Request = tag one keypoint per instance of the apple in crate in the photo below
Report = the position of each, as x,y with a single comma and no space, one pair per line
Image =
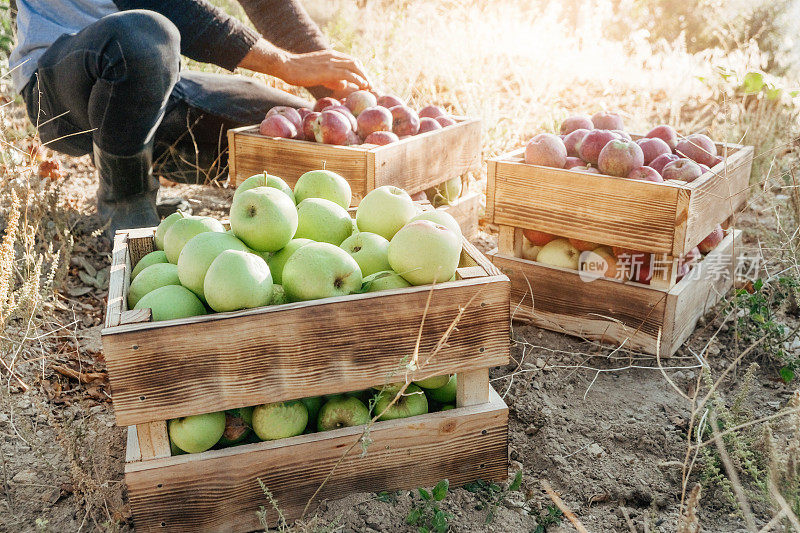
290,113
171,301
237,280
323,221
645,174
308,126
342,412
434,382
197,433
322,103
445,394
699,149
559,253
164,226
537,238
427,124
572,141
370,251
265,180
530,251
345,112
153,258
666,134
358,101
440,217
374,119
320,270
582,245
382,281
661,161
405,120
277,261
573,162
184,229
584,168
712,240
652,148
238,423
389,101
597,263
323,184
431,111
445,193
280,420
151,278
424,252
412,402
277,126
593,143
603,120
331,127
381,138
619,157
198,254
263,218
682,169
576,122
547,150
385,210
446,121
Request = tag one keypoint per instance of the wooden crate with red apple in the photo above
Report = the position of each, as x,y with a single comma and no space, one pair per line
175,368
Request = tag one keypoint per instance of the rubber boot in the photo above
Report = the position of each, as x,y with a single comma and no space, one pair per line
126,196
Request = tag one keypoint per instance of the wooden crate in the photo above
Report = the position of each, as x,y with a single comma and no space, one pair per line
639,317
643,216
414,164
168,369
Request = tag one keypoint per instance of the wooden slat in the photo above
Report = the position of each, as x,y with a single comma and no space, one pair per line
135,316
141,242
219,490
705,285
132,451
470,272
231,183
491,170
118,281
472,387
506,241
664,271
604,310
153,440
465,210
423,161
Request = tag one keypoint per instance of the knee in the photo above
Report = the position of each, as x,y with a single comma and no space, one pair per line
147,40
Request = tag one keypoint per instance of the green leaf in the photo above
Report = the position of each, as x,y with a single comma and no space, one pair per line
424,494
753,82
440,490
787,374
515,485
413,516
774,93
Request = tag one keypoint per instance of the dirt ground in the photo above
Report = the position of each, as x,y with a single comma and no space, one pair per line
609,438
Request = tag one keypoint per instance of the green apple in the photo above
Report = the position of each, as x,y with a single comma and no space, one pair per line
559,253
197,433
237,280
446,394
342,412
150,279
384,280
265,180
424,252
174,450
278,295
313,404
355,226
440,217
152,258
238,424
198,254
277,260
264,218
447,407
167,223
323,221
323,184
413,402
171,301
279,420
445,193
183,229
370,251
320,270
434,382
385,210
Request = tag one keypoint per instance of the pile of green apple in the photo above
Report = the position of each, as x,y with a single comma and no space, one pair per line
288,245
273,421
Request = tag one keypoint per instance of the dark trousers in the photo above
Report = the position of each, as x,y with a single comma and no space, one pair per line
117,83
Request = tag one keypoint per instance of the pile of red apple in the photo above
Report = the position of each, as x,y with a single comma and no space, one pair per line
600,145
362,118
608,261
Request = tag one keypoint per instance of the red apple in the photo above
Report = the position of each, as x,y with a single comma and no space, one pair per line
353,138
358,101
652,148
712,240
622,134
346,113
699,149
590,170
381,138
592,143
419,196
572,141
682,169
537,238
277,126
428,124
431,111
389,101
583,246
576,122
331,127
446,121
573,162
619,157
405,120
717,161
546,150
308,120
322,103
374,119
290,113
303,111
704,169
659,162
603,120
666,134
645,174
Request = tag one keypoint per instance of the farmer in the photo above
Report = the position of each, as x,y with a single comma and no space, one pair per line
103,77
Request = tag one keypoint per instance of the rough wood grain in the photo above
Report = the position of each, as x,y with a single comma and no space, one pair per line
465,210
189,366
135,316
470,272
141,242
132,451
153,440
472,387
219,491
118,279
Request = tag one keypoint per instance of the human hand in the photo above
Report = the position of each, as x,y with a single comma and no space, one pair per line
328,68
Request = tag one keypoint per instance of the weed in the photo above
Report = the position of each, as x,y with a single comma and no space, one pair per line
491,495
426,514
551,516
